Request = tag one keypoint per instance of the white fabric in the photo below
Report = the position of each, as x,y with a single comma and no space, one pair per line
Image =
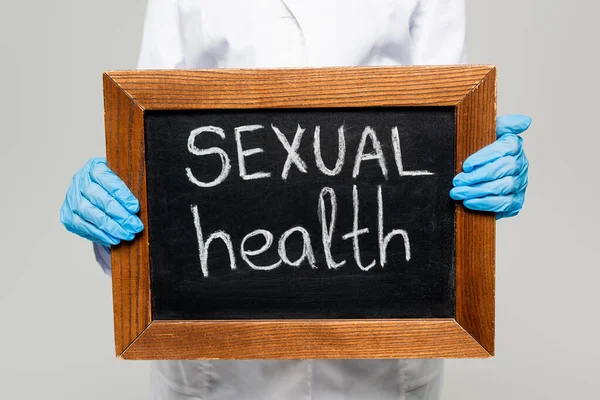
297,33
297,379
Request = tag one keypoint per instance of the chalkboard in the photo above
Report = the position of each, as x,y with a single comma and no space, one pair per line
417,280
301,213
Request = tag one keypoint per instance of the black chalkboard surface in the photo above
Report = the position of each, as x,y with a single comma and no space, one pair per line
196,188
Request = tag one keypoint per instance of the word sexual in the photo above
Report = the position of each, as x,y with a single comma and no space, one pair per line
369,140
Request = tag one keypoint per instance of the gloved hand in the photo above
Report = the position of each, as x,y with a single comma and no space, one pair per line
495,178
99,206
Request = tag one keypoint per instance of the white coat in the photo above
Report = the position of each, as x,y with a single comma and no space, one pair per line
298,33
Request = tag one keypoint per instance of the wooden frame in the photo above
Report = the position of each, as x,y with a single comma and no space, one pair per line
470,89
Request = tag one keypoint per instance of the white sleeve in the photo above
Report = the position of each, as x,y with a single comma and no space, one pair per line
161,41
438,32
102,254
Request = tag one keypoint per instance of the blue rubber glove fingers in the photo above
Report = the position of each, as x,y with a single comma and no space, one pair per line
99,206
81,227
503,206
502,176
107,202
495,178
507,143
504,196
110,194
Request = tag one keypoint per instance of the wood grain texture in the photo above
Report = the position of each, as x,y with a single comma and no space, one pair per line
124,124
305,339
471,89
476,231
299,88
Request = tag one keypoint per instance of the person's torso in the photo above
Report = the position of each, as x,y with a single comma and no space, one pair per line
295,33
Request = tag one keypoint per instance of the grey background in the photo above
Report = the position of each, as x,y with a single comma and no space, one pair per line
55,304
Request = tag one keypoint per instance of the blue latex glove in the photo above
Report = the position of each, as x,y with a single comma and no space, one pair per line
495,178
99,206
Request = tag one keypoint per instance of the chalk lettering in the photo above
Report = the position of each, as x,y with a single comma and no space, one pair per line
341,152
377,153
241,153
292,150
225,163
307,250
328,231
203,246
327,205
385,240
398,157
356,232
268,242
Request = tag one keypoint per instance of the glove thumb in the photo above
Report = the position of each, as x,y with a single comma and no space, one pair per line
511,124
